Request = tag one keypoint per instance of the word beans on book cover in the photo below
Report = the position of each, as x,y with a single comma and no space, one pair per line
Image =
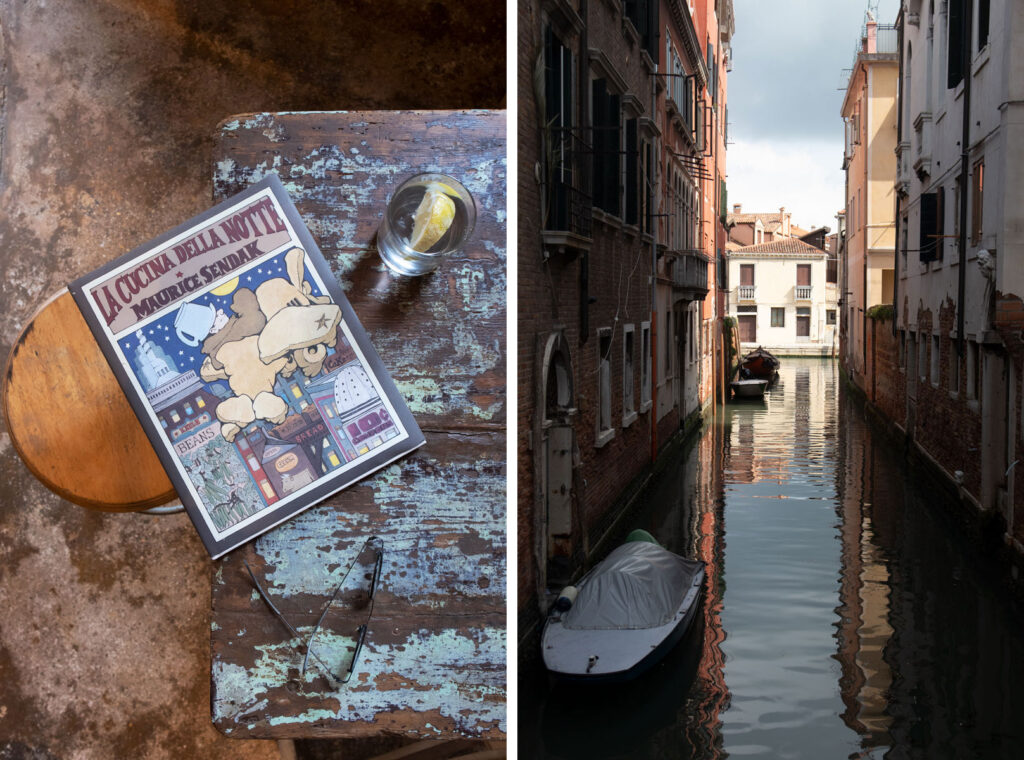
246,366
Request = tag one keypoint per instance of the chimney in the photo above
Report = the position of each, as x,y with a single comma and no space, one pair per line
871,36
737,208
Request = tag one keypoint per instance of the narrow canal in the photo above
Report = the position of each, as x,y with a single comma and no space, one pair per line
844,615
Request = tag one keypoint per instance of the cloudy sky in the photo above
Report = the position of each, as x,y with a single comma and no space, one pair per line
784,101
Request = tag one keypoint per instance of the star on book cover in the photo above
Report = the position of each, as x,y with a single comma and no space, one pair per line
246,366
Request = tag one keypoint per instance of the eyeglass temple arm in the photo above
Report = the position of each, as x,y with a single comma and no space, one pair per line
266,598
283,619
362,629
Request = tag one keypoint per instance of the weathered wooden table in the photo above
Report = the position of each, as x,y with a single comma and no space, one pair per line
434,660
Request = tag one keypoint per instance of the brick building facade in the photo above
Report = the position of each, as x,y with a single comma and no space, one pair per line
954,388
592,254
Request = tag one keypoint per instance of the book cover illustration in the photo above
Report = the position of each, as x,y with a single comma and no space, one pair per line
246,366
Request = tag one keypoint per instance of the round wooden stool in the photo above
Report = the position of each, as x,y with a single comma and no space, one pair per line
69,420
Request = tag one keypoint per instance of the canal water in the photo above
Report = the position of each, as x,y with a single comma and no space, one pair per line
844,615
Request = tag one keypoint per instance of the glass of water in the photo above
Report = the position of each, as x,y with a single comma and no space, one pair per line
428,217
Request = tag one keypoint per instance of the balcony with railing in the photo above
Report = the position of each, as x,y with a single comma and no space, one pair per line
803,293
887,39
746,292
881,40
568,209
688,269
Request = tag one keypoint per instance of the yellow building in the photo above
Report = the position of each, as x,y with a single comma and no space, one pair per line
866,264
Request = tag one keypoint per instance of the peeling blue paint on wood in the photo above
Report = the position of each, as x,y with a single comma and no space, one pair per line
433,663
439,673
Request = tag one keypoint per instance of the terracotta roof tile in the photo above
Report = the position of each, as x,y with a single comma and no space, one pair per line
775,218
784,245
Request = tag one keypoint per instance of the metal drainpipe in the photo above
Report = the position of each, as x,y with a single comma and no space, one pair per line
965,147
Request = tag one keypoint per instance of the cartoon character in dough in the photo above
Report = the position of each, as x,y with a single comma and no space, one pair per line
275,331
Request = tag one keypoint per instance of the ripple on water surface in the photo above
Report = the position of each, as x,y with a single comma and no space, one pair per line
843,613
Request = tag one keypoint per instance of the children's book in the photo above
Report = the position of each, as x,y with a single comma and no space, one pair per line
246,366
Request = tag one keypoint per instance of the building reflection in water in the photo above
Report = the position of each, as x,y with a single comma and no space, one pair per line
864,585
852,619
931,648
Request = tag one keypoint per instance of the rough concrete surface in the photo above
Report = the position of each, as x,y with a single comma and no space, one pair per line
107,116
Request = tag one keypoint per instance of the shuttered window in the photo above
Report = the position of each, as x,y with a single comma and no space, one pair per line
632,173
956,57
606,148
983,13
644,15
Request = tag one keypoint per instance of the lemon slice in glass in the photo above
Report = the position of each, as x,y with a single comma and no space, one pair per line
432,219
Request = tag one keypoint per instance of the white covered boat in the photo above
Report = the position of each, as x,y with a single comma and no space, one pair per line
625,614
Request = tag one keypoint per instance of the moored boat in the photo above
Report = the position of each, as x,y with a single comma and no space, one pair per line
625,615
748,388
760,363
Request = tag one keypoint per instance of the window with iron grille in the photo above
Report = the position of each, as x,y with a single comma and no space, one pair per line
559,94
830,316
778,316
607,141
562,154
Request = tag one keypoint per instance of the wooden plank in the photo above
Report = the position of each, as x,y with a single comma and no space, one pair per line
60,398
441,335
433,664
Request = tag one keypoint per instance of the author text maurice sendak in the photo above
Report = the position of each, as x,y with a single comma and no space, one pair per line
255,221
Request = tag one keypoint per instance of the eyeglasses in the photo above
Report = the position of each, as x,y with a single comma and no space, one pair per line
377,545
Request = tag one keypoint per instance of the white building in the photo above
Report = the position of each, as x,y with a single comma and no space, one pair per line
960,266
780,300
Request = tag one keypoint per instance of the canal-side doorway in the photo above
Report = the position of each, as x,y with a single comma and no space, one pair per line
557,437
